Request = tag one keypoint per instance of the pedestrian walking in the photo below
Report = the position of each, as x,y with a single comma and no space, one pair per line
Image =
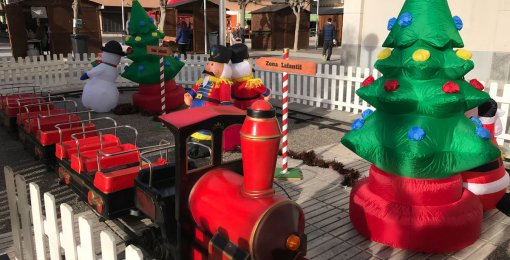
240,33
329,32
183,34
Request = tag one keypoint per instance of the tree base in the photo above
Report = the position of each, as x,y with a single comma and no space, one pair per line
423,215
148,97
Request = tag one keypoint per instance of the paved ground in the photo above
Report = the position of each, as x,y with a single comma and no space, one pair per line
324,200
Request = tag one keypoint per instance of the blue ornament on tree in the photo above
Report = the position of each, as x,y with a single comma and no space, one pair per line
357,124
477,121
405,20
142,23
367,113
167,63
483,133
458,23
151,20
141,68
391,22
416,134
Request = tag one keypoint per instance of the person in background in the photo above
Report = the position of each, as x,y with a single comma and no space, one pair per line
329,32
240,33
183,33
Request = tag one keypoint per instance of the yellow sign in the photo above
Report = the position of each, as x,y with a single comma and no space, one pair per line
289,66
157,50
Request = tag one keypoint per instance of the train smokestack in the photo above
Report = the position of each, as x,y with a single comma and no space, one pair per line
260,140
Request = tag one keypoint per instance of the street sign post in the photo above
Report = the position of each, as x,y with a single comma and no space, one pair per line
287,66
162,52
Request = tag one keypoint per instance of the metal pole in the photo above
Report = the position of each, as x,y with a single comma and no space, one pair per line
317,26
222,22
205,26
123,22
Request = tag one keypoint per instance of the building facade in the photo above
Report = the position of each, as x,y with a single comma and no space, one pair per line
485,33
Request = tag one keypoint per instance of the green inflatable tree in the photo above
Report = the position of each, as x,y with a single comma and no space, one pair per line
142,33
145,68
419,129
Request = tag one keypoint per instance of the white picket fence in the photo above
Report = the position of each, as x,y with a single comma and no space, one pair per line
38,236
333,87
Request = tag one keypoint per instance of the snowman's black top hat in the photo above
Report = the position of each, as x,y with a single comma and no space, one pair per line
239,53
220,53
113,47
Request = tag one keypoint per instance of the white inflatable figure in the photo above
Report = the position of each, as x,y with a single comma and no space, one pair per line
100,93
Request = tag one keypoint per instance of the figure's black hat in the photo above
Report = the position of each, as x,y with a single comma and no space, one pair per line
113,47
488,109
220,53
239,53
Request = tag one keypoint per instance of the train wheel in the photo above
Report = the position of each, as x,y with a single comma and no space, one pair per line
67,178
61,175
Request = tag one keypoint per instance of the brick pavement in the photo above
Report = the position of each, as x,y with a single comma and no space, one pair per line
332,236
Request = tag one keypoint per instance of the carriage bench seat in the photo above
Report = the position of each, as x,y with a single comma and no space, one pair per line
118,180
87,162
23,116
11,107
12,99
68,148
48,123
49,137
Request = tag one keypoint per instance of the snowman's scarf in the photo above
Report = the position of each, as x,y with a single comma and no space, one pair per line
97,62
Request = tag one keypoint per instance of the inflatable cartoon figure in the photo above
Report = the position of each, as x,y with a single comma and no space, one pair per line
100,93
489,182
245,88
418,139
211,90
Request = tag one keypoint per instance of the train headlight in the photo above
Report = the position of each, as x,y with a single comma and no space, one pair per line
293,242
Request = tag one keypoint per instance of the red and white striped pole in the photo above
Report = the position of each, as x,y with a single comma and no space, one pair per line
162,81
285,110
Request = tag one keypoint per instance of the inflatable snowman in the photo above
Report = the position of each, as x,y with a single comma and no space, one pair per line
100,93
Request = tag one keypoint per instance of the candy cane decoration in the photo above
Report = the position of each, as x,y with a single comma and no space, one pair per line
162,81
285,110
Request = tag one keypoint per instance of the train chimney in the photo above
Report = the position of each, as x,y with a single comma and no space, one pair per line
260,140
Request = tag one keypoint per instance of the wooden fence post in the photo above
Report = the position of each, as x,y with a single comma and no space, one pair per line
38,221
67,236
51,226
13,210
26,224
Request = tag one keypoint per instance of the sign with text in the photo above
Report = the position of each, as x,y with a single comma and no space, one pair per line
157,50
289,66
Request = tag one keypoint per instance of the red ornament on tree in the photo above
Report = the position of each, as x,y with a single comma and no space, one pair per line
475,83
391,85
451,87
368,81
129,50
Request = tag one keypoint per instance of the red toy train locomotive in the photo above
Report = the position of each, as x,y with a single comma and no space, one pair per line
201,208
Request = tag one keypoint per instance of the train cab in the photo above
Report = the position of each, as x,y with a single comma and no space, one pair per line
162,192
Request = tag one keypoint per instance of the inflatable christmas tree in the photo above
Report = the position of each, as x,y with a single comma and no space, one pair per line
419,139
145,68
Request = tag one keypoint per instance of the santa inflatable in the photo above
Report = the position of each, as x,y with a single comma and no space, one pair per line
100,93
489,182
245,88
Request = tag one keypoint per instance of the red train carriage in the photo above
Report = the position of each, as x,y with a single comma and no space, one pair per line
13,96
205,208
37,129
101,168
